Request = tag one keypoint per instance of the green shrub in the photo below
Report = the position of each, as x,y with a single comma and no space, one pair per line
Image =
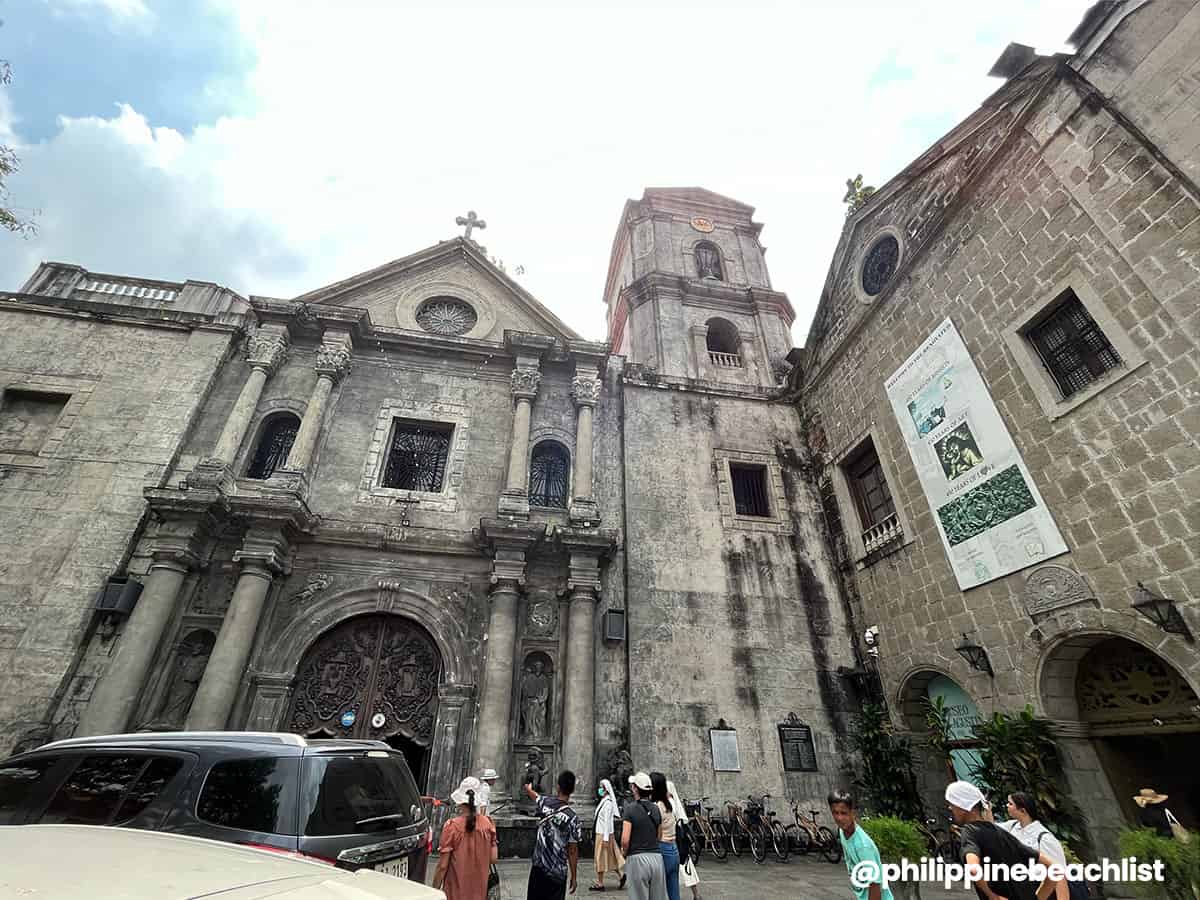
1181,862
895,838
884,775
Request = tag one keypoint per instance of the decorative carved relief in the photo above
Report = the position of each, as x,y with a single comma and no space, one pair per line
585,391
1120,680
267,349
541,618
317,582
525,383
333,360
1053,587
371,677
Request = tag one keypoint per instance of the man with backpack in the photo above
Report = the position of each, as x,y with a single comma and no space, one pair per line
556,847
645,877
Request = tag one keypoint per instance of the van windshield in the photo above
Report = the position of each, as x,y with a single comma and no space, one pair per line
357,793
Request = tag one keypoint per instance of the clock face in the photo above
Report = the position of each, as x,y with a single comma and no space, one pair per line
702,225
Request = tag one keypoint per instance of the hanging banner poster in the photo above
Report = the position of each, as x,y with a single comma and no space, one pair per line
991,517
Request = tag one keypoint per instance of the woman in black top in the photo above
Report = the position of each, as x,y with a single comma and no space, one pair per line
644,877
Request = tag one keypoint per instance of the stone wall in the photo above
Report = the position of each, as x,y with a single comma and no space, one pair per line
1075,195
68,513
730,617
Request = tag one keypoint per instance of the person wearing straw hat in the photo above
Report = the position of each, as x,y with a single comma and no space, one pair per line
483,800
467,849
1152,813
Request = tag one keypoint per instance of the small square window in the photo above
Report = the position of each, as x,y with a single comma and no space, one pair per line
1072,347
749,490
417,456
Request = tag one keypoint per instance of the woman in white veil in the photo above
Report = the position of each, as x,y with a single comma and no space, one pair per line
688,876
608,855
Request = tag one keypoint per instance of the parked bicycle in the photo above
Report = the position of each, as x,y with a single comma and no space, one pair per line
709,832
745,828
780,845
807,835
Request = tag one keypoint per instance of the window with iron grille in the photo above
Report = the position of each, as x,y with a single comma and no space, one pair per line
749,490
549,475
273,446
869,487
417,456
1072,347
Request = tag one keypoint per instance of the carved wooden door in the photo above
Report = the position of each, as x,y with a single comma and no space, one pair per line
370,677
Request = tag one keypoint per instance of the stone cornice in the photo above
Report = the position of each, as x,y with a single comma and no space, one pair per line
145,317
505,534
636,376
526,343
284,511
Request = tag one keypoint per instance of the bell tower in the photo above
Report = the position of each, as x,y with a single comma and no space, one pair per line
688,293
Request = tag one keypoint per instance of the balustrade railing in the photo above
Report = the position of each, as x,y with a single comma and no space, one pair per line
882,533
126,289
725,360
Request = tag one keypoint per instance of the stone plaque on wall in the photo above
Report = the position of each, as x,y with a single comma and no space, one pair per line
725,754
796,745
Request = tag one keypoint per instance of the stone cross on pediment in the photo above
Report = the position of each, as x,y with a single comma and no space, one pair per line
470,221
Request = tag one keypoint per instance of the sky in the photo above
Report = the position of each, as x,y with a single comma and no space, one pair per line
274,147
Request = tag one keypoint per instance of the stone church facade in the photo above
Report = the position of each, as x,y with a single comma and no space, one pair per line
416,506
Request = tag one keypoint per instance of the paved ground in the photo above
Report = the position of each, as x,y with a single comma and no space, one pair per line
735,879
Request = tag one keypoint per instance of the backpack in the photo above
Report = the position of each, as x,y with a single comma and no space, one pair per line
684,840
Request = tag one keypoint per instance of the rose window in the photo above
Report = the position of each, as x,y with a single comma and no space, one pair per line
880,264
446,315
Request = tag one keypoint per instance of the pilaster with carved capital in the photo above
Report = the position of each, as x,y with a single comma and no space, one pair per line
333,358
524,382
585,389
267,348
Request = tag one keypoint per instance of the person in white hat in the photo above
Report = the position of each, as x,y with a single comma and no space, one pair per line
483,799
983,839
645,877
467,849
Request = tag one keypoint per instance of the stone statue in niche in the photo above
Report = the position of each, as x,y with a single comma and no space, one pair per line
535,770
190,663
535,700
708,261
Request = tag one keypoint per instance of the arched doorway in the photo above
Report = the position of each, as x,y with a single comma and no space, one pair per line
1144,721
376,677
933,771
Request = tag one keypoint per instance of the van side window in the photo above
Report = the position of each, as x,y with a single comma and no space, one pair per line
251,795
18,780
157,774
92,793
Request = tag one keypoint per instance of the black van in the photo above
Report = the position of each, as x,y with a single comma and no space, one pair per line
350,803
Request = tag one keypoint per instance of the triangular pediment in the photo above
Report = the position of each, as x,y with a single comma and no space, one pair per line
395,293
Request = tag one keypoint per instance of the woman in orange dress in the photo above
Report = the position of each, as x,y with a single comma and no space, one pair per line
467,849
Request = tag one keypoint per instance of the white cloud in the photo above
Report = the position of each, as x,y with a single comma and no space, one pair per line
375,124
122,10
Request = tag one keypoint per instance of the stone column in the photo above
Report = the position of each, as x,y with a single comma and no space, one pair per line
495,713
585,391
450,758
525,380
116,696
333,362
579,701
260,559
266,350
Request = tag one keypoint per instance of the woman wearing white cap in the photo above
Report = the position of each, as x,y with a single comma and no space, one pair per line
467,849
640,833
608,854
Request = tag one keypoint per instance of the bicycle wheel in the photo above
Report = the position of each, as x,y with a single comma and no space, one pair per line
695,850
719,845
735,838
798,839
831,847
779,842
758,843
948,850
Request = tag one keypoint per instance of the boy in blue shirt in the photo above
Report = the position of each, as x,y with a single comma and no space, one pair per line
857,847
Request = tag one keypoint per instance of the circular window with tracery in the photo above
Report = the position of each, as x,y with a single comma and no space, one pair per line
880,264
446,315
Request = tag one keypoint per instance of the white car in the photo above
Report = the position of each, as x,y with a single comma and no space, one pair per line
47,862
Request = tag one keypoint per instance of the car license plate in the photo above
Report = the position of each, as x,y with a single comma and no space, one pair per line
397,867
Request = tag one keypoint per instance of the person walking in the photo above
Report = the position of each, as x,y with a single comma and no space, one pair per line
484,800
666,835
642,823
608,854
857,847
984,840
556,845
688,876
1152,813
1023,824
467,849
